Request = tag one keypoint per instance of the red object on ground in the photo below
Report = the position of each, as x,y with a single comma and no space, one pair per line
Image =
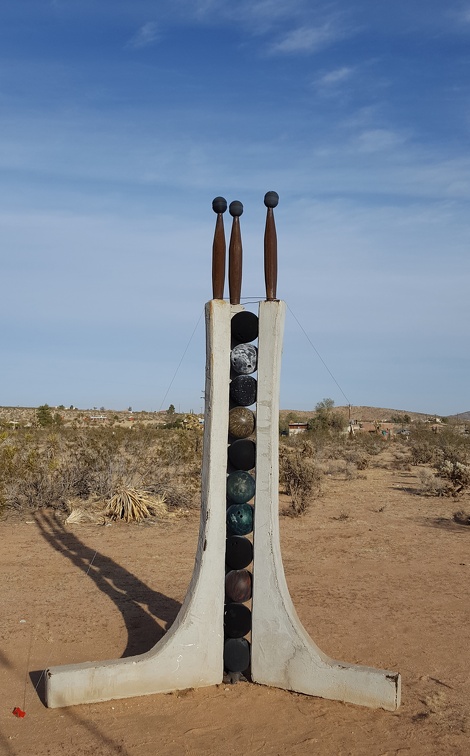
19,712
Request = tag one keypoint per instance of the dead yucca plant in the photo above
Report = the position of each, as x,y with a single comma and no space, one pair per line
134,505
463,518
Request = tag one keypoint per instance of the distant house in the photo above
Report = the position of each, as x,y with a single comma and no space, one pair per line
296,428
380,428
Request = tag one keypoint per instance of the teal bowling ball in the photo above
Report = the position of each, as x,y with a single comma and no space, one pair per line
240,519
240,487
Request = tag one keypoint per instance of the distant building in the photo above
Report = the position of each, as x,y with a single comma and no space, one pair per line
296,428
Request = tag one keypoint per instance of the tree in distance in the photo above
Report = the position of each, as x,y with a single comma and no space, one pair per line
44,416
326,419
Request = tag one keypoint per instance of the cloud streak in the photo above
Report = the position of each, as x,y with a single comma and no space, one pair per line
306,40
147,35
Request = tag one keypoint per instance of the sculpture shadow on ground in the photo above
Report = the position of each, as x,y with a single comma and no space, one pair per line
139,604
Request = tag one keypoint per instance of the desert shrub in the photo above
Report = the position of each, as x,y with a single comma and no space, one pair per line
30,471
182,494
341,468
300,475
371,443
401,458
456,473
463,518
48,466
422,451
357,457
431,484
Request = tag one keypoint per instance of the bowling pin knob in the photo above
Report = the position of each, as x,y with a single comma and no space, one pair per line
271,199
235,209
219,205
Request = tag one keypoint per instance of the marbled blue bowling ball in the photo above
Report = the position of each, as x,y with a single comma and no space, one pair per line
244,358
243,390
240,519
240,487
244,326
242,454
236,654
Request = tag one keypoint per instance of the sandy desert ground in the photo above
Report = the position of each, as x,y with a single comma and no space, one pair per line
378,574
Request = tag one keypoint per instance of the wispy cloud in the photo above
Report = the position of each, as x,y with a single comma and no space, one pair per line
379,140
306,39
145,36
333,78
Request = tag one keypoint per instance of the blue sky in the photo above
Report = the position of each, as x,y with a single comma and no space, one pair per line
121,121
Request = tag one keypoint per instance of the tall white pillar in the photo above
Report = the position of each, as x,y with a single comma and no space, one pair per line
190,655
282,653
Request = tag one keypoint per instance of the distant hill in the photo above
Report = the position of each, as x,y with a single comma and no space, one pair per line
461,417
365,414
27,415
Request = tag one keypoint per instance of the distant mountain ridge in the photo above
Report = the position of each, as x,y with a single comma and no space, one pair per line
370,414
25,415
462,416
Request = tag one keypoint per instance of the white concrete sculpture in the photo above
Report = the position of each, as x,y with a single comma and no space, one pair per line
191,654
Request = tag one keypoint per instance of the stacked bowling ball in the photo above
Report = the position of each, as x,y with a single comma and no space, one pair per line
240,491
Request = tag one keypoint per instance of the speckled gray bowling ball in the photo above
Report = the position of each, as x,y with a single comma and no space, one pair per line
240,487
243,390
241,422
244,358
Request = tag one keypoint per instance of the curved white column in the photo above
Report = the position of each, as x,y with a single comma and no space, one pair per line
282,653
191,653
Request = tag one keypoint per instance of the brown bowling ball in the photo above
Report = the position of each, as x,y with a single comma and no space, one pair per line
238,585
241,422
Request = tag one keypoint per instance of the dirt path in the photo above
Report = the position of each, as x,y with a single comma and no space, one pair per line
379,576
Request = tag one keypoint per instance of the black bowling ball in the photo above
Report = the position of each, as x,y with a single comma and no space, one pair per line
236,654
237,620
242,454
238,552
244,326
